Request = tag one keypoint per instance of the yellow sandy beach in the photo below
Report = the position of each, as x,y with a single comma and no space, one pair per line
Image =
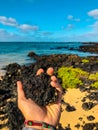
77,117
74,97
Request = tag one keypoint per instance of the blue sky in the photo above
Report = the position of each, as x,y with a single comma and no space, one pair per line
49,20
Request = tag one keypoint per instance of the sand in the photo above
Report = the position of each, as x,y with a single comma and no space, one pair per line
79,116
74,97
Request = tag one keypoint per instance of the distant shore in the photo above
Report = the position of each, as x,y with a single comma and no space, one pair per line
16,52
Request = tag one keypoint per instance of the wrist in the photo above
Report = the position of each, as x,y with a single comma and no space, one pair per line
39,125
34,128
30,128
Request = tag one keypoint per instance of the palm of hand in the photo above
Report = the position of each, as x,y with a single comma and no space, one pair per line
32,111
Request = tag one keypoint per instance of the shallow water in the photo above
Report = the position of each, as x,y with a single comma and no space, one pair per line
16,52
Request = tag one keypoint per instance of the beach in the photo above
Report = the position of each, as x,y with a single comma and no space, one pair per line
79,105
78,118
74,119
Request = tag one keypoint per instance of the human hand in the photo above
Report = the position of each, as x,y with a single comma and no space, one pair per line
31,111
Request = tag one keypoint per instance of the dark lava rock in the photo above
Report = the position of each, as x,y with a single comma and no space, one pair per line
60,127
88,105
32,54
89,126
80,118
38,88
89,47
15,117
68,127
2,91
96,125
93,96
70,108
25,73
90,118
77,126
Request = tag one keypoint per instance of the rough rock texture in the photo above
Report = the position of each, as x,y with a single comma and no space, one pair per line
88,105
90,126
14,72
91,47
70,108
38,88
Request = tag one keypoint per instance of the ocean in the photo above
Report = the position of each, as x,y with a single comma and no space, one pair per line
16,52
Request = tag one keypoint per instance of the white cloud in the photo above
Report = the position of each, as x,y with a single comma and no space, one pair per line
8,36
47,33
95,25
27,27
71,17
12,22
8,21
70,26
93,13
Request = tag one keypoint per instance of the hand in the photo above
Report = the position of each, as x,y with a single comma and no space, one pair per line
31,111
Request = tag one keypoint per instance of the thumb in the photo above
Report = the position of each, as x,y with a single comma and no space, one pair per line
21,94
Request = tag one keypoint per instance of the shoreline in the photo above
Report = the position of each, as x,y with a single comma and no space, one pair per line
76,97
82,49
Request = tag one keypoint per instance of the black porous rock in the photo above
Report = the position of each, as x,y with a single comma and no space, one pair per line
15,117
43,93
32,54
68,127
89,126
96,125
60,127
38,88
77,126
88,105
93,96
70,108
90,118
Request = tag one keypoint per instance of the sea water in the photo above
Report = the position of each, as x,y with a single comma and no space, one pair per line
16,52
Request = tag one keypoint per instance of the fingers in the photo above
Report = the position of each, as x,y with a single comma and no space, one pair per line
54,83
57,86
50,71
40,71
20,91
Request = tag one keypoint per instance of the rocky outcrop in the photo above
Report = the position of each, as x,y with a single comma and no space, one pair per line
91,47
14,72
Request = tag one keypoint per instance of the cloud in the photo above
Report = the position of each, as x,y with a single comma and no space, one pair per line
70,26
27,27
93,13
8,21
47,33
8,36
95,25
71,17
12,22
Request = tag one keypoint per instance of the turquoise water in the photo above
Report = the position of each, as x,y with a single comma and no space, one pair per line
11,52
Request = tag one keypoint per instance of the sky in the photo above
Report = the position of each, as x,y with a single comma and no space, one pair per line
49,20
